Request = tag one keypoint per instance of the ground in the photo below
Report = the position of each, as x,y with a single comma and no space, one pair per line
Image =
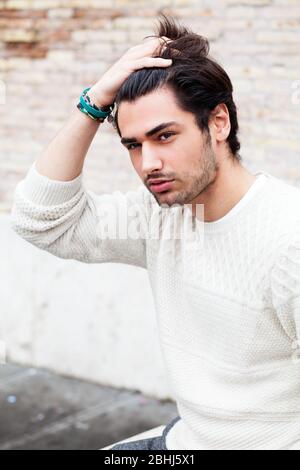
42,410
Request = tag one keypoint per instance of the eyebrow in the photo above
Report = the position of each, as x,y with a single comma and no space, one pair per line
155,130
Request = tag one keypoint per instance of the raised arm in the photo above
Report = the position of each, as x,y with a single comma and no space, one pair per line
53,210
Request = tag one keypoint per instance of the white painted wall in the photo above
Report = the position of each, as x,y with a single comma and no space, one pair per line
91,321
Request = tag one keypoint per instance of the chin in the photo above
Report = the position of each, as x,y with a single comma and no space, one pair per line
167,198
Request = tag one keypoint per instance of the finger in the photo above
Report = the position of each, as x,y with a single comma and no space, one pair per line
165,39
156,38
148,38
148,47
154,62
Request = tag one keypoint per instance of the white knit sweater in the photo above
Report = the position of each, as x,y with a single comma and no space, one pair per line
228,304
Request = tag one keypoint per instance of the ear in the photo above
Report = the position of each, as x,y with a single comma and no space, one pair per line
220,122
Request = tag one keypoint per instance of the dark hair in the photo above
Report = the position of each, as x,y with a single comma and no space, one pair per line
199,83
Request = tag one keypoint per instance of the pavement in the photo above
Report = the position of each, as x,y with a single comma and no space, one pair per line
40,410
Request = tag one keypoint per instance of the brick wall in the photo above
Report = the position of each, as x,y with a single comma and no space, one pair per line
51,49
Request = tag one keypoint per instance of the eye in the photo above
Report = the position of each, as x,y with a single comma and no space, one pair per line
129,147
167,133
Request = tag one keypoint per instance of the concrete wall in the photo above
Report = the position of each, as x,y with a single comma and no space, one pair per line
94,321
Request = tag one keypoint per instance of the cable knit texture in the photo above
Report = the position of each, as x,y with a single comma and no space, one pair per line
227,302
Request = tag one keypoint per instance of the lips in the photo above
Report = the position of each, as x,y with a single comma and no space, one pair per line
157,180
161,186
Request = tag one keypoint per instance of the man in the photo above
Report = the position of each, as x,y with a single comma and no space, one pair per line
228,300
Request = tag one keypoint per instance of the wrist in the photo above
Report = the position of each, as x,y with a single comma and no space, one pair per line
88,106
98,98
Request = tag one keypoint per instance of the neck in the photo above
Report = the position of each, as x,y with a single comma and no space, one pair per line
231,182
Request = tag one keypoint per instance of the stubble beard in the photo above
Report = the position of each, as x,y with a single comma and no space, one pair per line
197,182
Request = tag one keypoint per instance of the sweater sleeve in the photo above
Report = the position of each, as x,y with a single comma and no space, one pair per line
68,221
285,286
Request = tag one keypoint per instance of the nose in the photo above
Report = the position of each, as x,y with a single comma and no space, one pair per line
150,160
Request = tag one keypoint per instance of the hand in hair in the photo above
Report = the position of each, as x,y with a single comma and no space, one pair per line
137,57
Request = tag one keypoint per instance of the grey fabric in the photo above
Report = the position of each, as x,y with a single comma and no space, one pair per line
151,443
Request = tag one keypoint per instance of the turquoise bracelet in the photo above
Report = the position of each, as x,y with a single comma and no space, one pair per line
90,109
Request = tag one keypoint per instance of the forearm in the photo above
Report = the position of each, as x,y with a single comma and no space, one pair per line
64,157
53,210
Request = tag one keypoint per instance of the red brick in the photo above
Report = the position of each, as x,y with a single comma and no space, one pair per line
60,35
9,13
32,50
98,12
20,23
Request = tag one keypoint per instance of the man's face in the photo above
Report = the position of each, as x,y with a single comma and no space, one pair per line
179,152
